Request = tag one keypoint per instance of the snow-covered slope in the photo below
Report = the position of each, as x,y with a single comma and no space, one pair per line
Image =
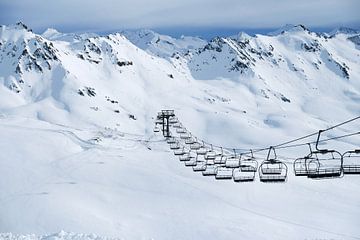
78,152
162,45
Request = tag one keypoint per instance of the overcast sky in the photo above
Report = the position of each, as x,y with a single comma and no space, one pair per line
179,16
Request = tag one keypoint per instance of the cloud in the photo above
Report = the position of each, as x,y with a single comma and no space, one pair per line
112,14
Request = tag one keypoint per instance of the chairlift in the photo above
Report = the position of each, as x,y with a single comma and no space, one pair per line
187,156
300,164
232,161
324,163
177,125
220,158
202,150
173,120
210,170
159,121
191,162
175,146
195,146
180,130
185,135
243,176
351,162
178,152
211,154
272,170
248,164
171,140
156,129
190,141
223,172
200,164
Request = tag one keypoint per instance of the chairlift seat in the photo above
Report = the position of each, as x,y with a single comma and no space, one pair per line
200,166
190,141
232,162
195,146
185,136
220,159
241,176
174,146
191,163
202,151
325,164
210,170
210,155
223,173
179,152
181,130
171,140
351,162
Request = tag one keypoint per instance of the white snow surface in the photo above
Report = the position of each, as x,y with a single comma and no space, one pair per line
79,158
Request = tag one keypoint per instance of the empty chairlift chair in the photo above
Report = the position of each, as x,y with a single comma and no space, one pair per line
211,154
178,152
233,161
191,162
300,164
272,170
351,162
173,120
156,128
190,140
247,169
223,172
324,163
248,164
175,146
185,157
210,169
220,158
181,130
185,135
195,146
177,125
202,150
171,140
200,164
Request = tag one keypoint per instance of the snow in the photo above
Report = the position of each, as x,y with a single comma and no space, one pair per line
79,159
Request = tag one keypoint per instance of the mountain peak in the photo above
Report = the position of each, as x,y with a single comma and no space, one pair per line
21,25
50,33
289,28
343,30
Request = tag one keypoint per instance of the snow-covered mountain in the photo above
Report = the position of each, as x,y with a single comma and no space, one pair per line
162,45
78,152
